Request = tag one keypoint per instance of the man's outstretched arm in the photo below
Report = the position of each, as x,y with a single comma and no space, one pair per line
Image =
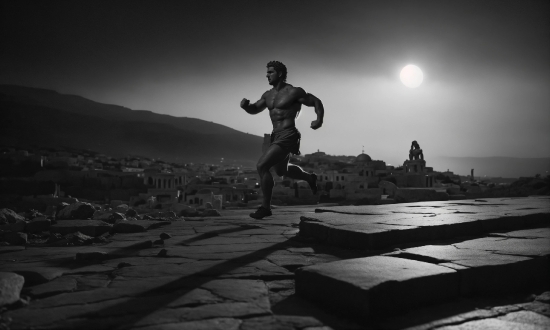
311,100
254,108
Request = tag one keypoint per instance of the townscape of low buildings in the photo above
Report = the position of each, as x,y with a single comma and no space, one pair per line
54,173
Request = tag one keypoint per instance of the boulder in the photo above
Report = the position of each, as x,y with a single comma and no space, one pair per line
208,206
122,208
78,238
9,216
16,238
167,214
131,213
101,215
10,287
38,225
116,216
165,236
78,210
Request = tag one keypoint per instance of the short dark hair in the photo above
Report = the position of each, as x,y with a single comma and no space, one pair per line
279,67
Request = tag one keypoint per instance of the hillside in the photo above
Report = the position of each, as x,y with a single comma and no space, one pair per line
47,118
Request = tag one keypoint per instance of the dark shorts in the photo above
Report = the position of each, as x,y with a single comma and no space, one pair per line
288,139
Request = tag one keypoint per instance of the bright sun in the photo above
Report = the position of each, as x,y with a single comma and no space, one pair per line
411,76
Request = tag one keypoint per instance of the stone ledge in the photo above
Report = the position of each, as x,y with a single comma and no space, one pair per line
376,286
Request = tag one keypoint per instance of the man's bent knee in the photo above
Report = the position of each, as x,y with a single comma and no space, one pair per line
262,167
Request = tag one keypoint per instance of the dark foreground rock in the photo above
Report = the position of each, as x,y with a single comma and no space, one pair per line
10,287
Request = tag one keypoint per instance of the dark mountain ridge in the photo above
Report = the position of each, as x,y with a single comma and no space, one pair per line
46,118
78,104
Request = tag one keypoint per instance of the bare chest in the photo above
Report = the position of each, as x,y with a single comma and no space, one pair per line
281,100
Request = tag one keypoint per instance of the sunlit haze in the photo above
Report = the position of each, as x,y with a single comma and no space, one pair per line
484,92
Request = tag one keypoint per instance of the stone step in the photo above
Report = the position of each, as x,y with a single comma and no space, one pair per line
381,286
378,286
380,226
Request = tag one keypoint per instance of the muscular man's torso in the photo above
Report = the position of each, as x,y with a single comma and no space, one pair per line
283,106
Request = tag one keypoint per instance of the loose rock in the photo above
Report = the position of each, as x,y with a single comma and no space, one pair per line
131,213
162,253
165,236
10,287
9,216
78,210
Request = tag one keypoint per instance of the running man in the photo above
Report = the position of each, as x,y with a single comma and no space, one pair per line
284,102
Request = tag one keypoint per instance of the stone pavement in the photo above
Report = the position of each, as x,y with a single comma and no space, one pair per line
427,265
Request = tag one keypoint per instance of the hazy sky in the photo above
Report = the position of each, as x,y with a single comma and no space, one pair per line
486,89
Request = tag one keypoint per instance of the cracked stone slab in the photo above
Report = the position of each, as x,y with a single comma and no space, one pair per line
482,271
492,324
537,247
372,227
374,286
201,299
56,286
210,324
527,317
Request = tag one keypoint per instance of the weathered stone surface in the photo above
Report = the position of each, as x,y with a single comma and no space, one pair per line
129,227
211,324
375,286
10,287
514,246
481,271
138,226
281,322
371,227
527,318
93,255
9,216
233,268
492,324
38,225
87,227
165,236
78,210
16,238
56,286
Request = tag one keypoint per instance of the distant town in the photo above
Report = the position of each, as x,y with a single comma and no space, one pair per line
33,175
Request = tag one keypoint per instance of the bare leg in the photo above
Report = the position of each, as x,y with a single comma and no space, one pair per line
295,172
273,156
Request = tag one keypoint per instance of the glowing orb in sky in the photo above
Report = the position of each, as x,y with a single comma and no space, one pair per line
411,76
